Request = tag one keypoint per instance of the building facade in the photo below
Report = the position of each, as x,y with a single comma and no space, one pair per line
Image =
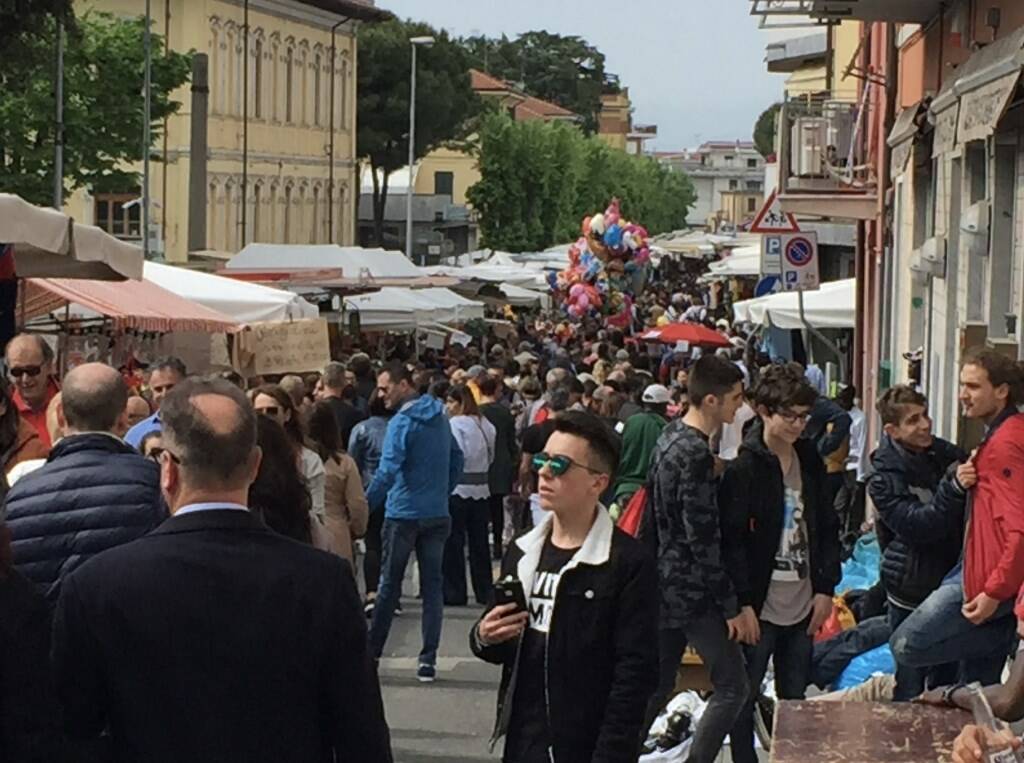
728,177
301,65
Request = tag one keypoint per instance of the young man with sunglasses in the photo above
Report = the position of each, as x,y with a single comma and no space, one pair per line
30,368
699,607
580,663
780,539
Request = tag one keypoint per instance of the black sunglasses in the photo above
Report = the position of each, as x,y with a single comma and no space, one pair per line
18,371
156,453
558,465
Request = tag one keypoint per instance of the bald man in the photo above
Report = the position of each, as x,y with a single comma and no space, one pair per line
30,367
95,491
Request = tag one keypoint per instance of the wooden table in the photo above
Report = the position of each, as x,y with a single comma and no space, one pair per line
864,732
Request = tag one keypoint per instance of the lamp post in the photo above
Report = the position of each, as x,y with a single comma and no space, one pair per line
414,42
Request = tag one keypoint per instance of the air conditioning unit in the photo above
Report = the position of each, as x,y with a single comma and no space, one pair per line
974,227
930,258
809,141
841,127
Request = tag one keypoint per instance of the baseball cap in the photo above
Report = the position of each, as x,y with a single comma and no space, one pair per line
657,394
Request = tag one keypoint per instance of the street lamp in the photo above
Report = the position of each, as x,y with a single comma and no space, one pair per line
414,42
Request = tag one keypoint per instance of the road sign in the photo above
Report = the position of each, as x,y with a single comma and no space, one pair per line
771,255
771,218
800,262
768,285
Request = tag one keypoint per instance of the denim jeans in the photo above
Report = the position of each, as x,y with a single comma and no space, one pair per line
910,681
937,633
400,537
723,660
790,649
470,520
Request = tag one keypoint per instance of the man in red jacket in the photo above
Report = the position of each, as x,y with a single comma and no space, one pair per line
969,617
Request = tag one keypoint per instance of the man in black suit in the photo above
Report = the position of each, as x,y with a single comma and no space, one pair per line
212,638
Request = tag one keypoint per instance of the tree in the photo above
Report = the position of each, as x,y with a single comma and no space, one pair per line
764,130
103,106
538,181
562,69
445,101
23,19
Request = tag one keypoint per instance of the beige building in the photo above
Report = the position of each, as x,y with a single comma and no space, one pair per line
294,81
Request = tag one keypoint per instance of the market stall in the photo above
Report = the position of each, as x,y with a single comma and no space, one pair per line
831,306
354,262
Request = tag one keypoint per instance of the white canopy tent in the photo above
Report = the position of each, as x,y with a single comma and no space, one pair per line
354,261
245,302
744,261
450,307
831,306
399,309
513,274
517,296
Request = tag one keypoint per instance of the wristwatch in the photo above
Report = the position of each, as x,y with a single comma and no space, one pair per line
948,692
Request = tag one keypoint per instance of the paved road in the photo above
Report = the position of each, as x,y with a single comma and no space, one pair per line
451,719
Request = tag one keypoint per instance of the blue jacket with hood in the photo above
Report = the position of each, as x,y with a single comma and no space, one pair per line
420,464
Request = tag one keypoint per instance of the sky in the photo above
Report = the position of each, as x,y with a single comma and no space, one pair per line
695,68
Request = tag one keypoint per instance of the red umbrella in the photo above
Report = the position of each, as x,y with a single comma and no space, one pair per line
694,333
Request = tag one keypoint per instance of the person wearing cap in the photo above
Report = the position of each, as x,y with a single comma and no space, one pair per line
473,377
639,437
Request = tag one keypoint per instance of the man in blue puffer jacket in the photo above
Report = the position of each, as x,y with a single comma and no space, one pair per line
93,493
419,467
920,503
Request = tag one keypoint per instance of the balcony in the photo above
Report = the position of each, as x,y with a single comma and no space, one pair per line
823,168
795,13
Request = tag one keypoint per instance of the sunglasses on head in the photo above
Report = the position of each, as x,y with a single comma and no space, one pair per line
271,411
18,371
558,465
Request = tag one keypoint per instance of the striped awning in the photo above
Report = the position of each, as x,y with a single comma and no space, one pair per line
138,305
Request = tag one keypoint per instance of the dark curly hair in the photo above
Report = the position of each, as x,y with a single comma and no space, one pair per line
279,494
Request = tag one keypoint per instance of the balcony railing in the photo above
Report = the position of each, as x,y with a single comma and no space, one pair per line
793,13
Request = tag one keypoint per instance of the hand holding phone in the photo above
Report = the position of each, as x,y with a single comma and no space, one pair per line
508,618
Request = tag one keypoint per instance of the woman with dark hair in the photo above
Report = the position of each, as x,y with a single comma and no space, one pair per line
272,401
468,504
345,508
279,494
19,440
365,446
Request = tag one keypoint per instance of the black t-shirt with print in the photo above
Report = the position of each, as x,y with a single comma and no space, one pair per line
528,734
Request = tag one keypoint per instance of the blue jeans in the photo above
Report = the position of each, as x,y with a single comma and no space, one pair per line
790,649
937,633
400,537
910,681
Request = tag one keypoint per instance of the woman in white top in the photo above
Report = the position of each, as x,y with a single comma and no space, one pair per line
272,401
468,503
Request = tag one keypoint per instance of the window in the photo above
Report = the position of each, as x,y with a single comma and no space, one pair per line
752,164
289,83
112,216
316,89
751,204
257,230
729,158
444,183
753,185
257,79
287,214
733,185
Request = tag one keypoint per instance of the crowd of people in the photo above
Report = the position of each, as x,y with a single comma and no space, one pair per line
178,563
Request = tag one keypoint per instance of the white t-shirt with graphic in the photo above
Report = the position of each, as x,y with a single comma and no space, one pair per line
790,593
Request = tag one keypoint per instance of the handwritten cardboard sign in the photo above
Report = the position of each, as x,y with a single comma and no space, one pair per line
283,347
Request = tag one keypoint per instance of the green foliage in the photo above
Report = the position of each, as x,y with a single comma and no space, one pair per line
445,99
539,180
562,69
21,20
764,130
103,105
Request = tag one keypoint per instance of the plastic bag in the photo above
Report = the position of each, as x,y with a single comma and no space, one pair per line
686,703
840,620
864,666
862,569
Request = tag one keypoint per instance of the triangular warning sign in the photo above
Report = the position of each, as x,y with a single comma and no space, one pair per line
771,218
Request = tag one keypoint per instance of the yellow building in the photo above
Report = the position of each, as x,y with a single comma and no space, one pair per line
810,59
451,172
291,77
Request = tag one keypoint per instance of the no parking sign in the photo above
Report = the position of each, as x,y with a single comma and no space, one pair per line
800,261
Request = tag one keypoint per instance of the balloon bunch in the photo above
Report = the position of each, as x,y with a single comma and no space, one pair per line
607,268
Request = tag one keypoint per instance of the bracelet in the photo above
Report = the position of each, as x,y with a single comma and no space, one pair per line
948,692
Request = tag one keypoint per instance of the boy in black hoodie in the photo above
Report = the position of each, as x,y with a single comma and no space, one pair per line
780,541
920,504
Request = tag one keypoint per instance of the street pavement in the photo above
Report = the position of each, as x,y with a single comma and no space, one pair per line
450,719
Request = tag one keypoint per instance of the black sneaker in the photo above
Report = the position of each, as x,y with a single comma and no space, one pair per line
426,674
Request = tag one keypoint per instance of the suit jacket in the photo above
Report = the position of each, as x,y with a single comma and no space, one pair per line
214,639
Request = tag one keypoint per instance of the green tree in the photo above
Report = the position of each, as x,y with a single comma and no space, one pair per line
21,20
444,98
103,106
765,128
539,180
562,69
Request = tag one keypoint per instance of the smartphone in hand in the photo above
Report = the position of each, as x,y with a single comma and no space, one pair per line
509,590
